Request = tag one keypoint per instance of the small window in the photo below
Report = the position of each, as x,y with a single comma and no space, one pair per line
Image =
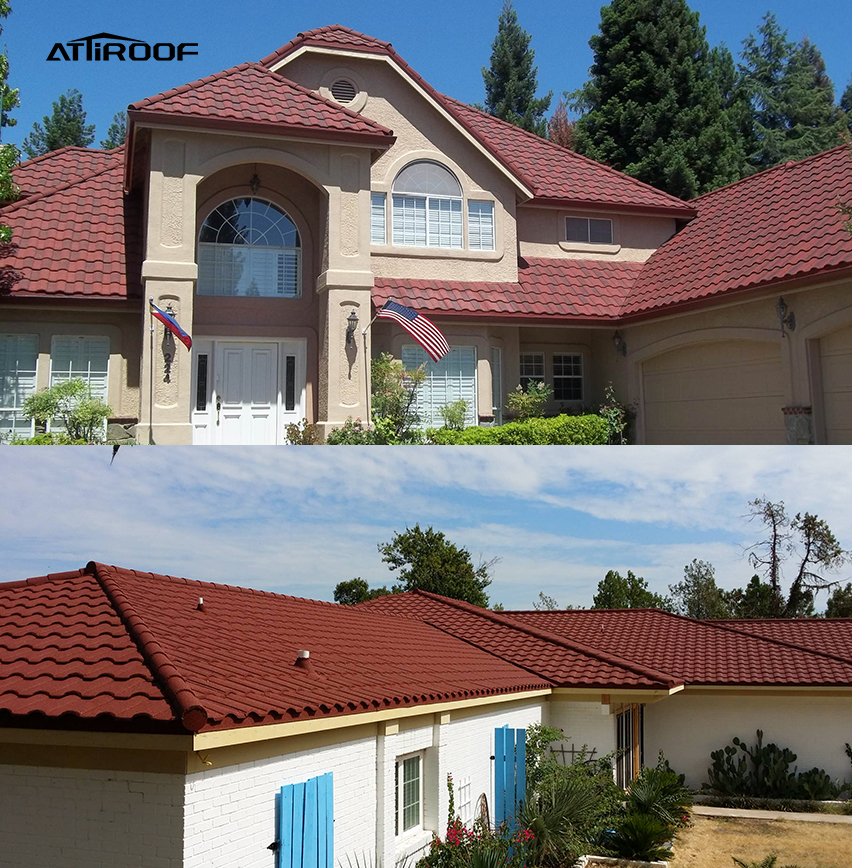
378,230
409,794
464,800
568,377
18,365
344,91
480,225
588,230
532,368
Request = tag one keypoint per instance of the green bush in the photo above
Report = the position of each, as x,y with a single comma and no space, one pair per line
642,837
559,430
71,404
529,403
658,791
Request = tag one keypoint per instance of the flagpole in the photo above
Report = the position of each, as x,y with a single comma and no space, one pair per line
151,390
366,378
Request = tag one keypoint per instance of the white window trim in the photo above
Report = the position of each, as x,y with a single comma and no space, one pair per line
418,828
522,376
374,206
105,398
428,200
474,410
581,376
17,410
588,246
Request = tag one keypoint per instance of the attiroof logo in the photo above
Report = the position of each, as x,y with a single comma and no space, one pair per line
108,46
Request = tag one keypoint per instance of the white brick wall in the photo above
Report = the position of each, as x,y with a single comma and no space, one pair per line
583,723
78,818
230,812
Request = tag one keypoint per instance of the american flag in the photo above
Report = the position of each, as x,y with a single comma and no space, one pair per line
421,329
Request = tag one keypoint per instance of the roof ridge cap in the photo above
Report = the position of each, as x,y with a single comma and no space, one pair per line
577,154
192,714
613,659
786,164
37,197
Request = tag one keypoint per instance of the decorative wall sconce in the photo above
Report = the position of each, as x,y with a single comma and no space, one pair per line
254,184
785,316
620,344
351,325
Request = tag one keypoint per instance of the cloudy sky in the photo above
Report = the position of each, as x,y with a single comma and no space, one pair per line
299,520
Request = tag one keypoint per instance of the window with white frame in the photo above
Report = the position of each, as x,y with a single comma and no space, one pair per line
427,207
532,368
568,377
464,801
18,366
249,247
409,793
480,225
452,379
81,357
588,230
378,229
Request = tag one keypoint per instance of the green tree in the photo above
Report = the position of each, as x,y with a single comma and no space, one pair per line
545,603
116,131
846,104
66,125
511,81
70,404
9,100
840,602
652,107
698,595
356,591
792,98
756,600
627,592
428,561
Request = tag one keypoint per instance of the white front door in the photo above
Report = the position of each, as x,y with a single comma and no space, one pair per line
246,392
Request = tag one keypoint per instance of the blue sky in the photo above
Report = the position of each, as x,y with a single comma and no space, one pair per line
300,520
447,41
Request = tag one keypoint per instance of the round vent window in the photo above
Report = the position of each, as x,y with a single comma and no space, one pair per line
343,91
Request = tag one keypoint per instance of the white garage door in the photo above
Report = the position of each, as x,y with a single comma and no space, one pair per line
836,354
722,392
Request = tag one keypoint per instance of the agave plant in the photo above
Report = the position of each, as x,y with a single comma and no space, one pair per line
642,837
660,792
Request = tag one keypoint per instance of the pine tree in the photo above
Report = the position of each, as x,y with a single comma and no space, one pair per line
560,128
65,126
8,153
116,132
792,98
652,107
846,103
512,81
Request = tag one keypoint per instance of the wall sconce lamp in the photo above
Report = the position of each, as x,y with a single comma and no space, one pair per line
351,325
785,316
254,183
620,344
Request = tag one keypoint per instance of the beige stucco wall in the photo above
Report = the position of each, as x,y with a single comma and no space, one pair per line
123,328
686,727
422,133
542,233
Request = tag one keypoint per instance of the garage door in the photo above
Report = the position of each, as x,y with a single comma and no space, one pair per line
836,355
723,392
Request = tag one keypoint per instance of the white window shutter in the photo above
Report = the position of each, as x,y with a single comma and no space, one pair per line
409,221
480,225
451,379
378,230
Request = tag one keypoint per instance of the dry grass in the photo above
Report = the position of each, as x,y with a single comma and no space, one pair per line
712,841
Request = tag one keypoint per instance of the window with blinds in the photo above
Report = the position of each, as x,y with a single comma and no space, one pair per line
480,225
81,357
249,247
18,367
378,230
427,207
451,379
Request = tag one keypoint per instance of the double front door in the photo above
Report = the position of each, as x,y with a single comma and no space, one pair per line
246,392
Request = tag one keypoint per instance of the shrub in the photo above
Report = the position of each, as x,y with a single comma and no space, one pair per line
394,390
454,415
641,836
351,433
770,861
49,439
562,430
302,433
660,792
617,417
71,404
528,404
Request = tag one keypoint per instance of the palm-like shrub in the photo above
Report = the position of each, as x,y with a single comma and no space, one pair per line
642,837
660,792
770,861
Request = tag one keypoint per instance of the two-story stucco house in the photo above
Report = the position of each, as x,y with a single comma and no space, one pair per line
273,207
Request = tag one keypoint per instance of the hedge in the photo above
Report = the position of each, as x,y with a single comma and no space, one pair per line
562,430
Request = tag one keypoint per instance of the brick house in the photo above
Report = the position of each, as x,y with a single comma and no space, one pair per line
272,205
148,720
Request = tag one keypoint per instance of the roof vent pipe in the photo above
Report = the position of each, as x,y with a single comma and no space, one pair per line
200,605
302,654
303,661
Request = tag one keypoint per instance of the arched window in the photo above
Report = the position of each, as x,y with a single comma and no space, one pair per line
249,247
427,207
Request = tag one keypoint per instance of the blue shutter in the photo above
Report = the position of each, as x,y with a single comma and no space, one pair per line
510,773
306,824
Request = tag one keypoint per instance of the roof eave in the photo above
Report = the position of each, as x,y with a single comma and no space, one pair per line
683,213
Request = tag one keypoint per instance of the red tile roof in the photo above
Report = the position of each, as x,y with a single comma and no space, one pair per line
830,635
559,658
547,289
551,172
250,96
57,168
781,224
699,652
81,238
112,641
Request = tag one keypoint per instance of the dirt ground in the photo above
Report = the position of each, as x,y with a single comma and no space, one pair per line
712,841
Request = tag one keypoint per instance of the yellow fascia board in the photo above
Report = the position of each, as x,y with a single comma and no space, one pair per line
246,734
767,690
115,740
584,694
